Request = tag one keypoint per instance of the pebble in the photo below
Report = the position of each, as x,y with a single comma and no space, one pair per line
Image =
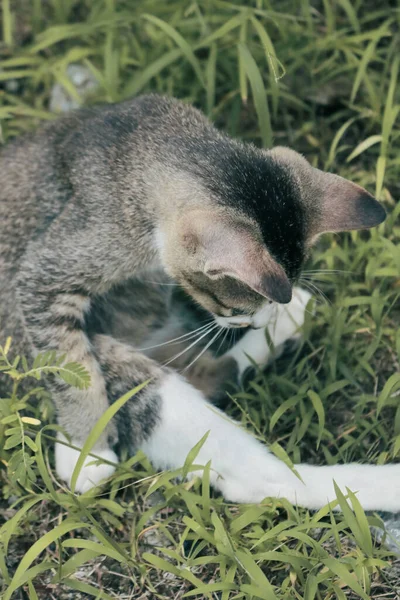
84,82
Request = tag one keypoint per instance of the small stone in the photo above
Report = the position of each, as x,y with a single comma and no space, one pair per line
84,82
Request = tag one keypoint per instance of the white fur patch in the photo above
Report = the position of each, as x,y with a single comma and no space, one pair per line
234,454
90,475
284,323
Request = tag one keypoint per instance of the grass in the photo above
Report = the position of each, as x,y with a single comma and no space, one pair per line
321,77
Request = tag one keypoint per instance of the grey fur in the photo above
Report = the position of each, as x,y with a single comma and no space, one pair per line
86,203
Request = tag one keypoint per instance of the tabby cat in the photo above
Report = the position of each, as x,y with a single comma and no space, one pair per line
102,201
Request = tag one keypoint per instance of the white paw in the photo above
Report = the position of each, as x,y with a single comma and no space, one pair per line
90,475
290,318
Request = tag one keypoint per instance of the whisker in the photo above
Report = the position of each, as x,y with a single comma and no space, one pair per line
310,289
197,340
188,335
325,271
311,286
222,341
204,349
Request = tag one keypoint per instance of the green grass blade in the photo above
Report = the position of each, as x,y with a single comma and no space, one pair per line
7,23
319,409
368,55
180,42
138,82
86,588
259,95
99,428
211,77
35,550
258,579
364,145
276,68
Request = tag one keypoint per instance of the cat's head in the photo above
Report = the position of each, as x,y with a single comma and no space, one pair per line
243,245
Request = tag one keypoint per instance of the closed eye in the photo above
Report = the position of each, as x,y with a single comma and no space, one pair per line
237,312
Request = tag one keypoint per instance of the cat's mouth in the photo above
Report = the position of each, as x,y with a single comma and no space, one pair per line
232,322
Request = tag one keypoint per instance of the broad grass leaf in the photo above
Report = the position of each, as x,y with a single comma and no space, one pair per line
365,539
368,55
258,579
274,64
42,466
335,142
192,502
341,570
138,82
211,77
3,566
33,572
205,491
283,456
249,516
7,23
241,66
32,592
285,557
364,145
389,387
319,409
72,564
99,548
222,539
274,531
200,530
253,591
229,577
86,588
18,74
282,409
391,111
35,550
209,589
9,528
351,14
259,94
180,42
351,519
311,587
222,31
193,453
168,567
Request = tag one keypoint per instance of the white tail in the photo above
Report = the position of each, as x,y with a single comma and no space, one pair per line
377,487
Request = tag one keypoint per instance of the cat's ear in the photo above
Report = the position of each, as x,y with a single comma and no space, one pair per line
344,206
228,248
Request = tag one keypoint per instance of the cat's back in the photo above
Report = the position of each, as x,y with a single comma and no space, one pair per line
86,148
33,189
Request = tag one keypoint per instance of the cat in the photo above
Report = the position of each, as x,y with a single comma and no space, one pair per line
107,197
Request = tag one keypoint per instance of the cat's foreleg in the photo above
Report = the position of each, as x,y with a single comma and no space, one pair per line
54,309
285,322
